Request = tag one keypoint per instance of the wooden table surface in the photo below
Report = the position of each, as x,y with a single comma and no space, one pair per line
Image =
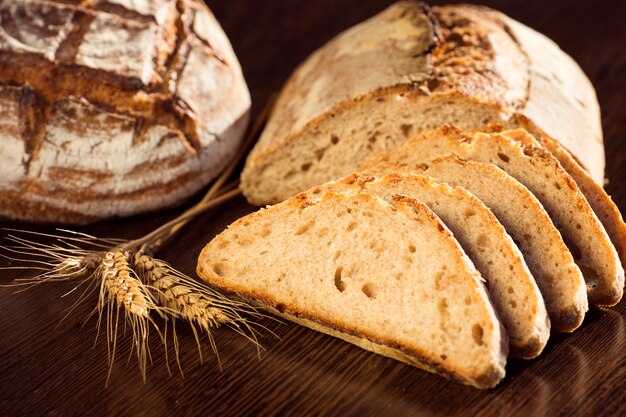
49,367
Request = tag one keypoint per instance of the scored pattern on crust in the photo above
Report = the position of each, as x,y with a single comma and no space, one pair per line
114,74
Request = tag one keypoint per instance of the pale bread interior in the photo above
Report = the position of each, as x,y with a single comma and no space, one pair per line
524,218
365,268
512,288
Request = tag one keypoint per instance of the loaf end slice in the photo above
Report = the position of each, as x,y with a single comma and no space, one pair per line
361,269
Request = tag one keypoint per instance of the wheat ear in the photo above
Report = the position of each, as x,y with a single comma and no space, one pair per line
121,290
197,304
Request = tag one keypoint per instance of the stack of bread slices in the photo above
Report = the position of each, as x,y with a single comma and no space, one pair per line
449,249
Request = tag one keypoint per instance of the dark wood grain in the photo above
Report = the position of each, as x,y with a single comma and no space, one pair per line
49,367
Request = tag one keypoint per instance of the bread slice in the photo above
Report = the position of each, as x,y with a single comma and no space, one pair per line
601,203
598,199
541,173
512,288
363,270
559,279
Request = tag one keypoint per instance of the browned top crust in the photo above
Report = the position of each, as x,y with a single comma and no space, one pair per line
95,92
458,52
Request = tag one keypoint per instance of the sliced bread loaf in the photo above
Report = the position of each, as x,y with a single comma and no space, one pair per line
551,263
601,203
598,199
512,288
361,269
541,173
410,69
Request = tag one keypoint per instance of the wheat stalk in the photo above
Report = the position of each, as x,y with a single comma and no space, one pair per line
136,285
120,289
198,305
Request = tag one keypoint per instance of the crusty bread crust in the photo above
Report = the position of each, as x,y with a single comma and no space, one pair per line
113,108
240,278
477,72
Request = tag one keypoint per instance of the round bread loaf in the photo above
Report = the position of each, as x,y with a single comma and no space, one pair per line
113,107
411,69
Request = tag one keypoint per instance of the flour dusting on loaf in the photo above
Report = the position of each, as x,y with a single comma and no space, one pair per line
113,108
419,68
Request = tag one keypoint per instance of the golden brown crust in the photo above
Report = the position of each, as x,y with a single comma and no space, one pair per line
372,343
480,59
137,78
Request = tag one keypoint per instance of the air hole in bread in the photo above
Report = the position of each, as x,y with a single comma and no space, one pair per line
351,226
406,129
470,212
289,174
219,269
341,286
319,154
223,244
372,139
246,223
557,185
412,248
510,290
511,267
368,290
513,304
468,300
263,252
266,232
438,280
367,214
477,334
337,255
578,226
305,228
322,232
443,306
305,167
504,157
349,210
281,276
482,241
399,276
528,237
316,191
334,139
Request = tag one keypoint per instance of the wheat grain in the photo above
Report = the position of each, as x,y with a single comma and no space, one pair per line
121,283
174,292
197,304
121,289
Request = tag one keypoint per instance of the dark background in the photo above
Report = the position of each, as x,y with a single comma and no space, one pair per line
49,367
